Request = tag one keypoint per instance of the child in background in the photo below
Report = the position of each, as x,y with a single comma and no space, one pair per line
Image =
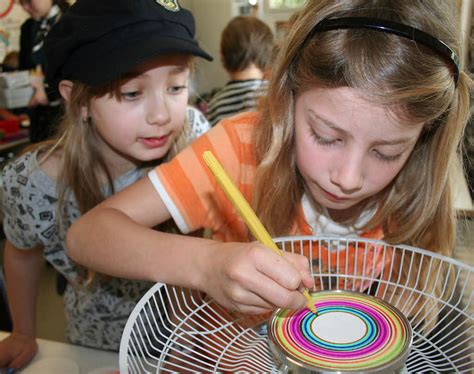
358,137
126,108
246,54
45,109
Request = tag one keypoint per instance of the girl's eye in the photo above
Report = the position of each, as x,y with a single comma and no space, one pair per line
323,141
176,89
386,158
131,95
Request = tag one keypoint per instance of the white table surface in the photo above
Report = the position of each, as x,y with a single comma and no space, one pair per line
55,354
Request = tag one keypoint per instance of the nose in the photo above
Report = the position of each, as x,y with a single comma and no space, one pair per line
348,173
157,111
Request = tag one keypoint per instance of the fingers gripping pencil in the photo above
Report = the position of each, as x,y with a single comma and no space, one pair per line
246,212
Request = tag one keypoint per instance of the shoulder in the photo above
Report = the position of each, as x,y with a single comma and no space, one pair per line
221,93
241,125
26,170
195,126
21,165
235,133
196,121
28,24
194,113
17,178
49,164
262,85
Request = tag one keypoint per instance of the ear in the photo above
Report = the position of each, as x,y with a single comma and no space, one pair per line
65,88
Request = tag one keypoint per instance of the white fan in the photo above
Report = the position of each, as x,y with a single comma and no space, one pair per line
178,330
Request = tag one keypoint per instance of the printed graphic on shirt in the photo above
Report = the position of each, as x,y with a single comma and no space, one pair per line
96,314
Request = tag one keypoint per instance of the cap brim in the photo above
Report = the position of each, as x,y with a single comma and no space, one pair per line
111,64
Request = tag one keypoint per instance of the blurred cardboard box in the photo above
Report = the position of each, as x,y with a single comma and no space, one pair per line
15,89
15,79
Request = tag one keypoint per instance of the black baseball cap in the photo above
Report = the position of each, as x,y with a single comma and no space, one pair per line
98,41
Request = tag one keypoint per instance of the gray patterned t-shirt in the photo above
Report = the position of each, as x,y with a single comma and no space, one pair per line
95,314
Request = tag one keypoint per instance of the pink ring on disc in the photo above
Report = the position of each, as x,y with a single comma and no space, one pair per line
352,332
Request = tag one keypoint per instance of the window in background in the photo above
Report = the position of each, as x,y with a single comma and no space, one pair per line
245,7
285,4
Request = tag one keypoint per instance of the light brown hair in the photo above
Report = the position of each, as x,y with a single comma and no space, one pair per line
246,40
414,83
83,171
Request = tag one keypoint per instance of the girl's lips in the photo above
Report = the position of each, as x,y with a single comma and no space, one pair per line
332,197
154,142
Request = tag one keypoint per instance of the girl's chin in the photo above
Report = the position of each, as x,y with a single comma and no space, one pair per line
337,204
155,157
344,214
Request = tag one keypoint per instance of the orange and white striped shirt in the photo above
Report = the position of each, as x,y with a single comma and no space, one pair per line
196,201
191,193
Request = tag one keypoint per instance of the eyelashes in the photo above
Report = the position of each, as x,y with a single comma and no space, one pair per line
328,142
177,89
322,141
386,158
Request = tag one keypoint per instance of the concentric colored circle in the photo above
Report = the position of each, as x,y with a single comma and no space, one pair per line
352,332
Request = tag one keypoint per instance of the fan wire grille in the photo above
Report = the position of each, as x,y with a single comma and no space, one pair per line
173,329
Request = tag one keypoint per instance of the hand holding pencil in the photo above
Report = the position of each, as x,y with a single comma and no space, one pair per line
246,212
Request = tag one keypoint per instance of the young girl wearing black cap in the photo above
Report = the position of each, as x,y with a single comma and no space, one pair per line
358,137
123,69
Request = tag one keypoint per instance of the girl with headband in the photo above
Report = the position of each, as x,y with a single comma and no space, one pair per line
123,71
358,137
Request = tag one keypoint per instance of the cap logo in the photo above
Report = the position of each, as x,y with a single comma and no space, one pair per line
171,5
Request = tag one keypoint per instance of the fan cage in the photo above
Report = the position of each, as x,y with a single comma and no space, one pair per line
173,329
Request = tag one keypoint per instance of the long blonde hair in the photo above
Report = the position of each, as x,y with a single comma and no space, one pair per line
82,168
413,82
83,172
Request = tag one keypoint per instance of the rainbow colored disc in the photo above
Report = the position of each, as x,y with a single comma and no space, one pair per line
352,332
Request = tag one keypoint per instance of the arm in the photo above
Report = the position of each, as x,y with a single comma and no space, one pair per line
22,272
115,238
37,82
25,45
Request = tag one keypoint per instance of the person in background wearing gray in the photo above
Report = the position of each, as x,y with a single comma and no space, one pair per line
246,53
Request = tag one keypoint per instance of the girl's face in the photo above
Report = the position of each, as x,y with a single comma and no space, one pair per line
348,149
143,124
37,9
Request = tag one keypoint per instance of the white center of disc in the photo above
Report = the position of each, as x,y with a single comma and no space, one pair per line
339,327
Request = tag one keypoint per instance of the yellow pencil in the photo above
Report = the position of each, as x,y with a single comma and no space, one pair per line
245,211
